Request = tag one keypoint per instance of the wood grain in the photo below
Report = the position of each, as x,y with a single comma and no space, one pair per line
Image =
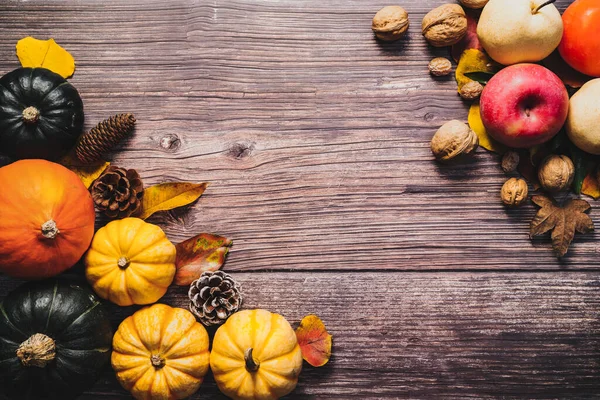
431,335
315,136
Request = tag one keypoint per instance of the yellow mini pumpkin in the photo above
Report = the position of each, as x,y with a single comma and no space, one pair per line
256,356
160,352
130,262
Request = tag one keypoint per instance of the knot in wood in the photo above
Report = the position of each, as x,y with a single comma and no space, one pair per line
170,142
240,150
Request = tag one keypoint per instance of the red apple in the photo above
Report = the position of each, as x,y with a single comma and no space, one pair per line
524,105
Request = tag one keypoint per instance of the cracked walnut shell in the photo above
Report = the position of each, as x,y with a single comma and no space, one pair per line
453,139
514,192
510,161
471,90
556,173
474,4
444,25
440,66
390,23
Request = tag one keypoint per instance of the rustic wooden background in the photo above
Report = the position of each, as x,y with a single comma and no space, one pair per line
315,137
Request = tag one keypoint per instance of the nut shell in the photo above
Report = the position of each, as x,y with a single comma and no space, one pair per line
514,192
444,25
556,173
390,23
440,66
510,161
453,139
471,90
474,4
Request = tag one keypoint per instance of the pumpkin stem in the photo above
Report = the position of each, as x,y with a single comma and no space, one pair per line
544,4
37,351
49,229
31,115
252,364
157,361
123,262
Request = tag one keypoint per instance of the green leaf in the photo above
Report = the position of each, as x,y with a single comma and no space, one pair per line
558,142
480,76
581,167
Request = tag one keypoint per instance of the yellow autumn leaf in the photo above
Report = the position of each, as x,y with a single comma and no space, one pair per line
476,125
591,186
168,196
87,173
473,60
48,54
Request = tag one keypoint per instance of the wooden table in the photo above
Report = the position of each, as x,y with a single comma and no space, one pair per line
315,138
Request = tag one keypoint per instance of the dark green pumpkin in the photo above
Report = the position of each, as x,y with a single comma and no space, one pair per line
41,114
41,315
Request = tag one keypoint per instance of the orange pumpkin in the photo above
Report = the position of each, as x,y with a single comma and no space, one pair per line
46,219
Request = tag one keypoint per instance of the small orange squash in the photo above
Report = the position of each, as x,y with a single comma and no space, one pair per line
160,353
46,219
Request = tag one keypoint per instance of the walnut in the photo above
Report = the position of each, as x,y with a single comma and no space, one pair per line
440,66
390,23
444,25
556,173
470,90
510,161
453,139
514,192
475,4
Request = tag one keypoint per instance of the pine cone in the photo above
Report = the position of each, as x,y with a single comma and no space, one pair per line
102,138
214,297
118,192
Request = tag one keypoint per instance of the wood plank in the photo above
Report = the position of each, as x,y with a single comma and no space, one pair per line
315,136
431,335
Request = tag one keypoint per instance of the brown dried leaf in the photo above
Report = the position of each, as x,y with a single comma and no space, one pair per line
168,196
203,252
562,221
314,341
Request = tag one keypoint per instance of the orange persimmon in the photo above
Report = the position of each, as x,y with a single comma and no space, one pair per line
580,44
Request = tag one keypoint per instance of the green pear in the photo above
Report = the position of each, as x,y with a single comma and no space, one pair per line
517,31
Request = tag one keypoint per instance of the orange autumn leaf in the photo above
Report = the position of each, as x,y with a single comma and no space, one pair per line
591,186
314,341
203,252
